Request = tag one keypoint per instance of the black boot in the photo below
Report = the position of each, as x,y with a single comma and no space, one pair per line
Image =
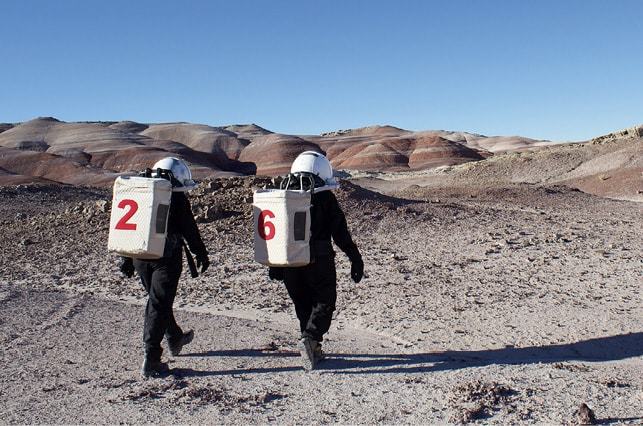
153,366
307,347
175,347
318,353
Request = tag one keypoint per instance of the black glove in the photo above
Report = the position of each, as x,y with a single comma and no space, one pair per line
127,267
203,262
357,269
276,273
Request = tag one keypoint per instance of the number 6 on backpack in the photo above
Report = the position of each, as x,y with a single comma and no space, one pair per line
264,225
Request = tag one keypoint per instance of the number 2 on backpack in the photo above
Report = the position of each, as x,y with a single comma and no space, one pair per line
123,224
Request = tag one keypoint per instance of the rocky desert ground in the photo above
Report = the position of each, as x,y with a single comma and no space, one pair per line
505,290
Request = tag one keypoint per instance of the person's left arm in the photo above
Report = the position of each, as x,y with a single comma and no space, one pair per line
343,239
190,232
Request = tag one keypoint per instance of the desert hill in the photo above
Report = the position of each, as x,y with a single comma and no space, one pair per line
93,152
610,166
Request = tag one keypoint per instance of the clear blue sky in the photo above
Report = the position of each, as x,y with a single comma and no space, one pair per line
561,70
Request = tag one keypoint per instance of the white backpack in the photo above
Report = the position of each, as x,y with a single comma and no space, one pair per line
138,221
282,226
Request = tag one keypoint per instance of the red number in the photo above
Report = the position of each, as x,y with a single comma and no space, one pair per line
133,207
266,229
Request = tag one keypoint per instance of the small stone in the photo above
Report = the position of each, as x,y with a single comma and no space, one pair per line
585,415
211,213
102,206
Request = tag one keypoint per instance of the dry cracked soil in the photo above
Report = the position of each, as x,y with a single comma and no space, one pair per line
512,304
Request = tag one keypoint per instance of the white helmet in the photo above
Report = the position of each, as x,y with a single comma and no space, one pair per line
179,169
316,164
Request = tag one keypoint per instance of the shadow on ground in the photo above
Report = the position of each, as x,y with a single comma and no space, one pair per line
609,348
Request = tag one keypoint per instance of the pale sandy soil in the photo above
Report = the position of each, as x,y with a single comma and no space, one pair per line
500,305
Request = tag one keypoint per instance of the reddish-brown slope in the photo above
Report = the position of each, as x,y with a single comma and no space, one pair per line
433,151
211,140
274,153
123,146
407,152
41,165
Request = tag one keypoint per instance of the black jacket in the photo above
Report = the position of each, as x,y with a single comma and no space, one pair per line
181,225
328,221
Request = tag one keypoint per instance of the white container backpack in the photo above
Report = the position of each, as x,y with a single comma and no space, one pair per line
282,225
138,221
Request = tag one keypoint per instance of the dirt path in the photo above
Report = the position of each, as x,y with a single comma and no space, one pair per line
74,359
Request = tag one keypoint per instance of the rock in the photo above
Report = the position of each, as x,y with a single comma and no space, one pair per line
585,415
212,212
102,206
208,214
212,187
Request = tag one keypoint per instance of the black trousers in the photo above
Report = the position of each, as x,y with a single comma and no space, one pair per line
313,290
160,279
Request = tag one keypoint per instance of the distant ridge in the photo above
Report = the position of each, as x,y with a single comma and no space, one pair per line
94,152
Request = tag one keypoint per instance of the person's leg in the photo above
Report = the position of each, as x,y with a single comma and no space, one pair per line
152,364
145,270
322,287
312,289
299,294
173,332
176,338
174,268
158,313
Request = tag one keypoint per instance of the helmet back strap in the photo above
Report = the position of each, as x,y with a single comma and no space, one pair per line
290,182
163,174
